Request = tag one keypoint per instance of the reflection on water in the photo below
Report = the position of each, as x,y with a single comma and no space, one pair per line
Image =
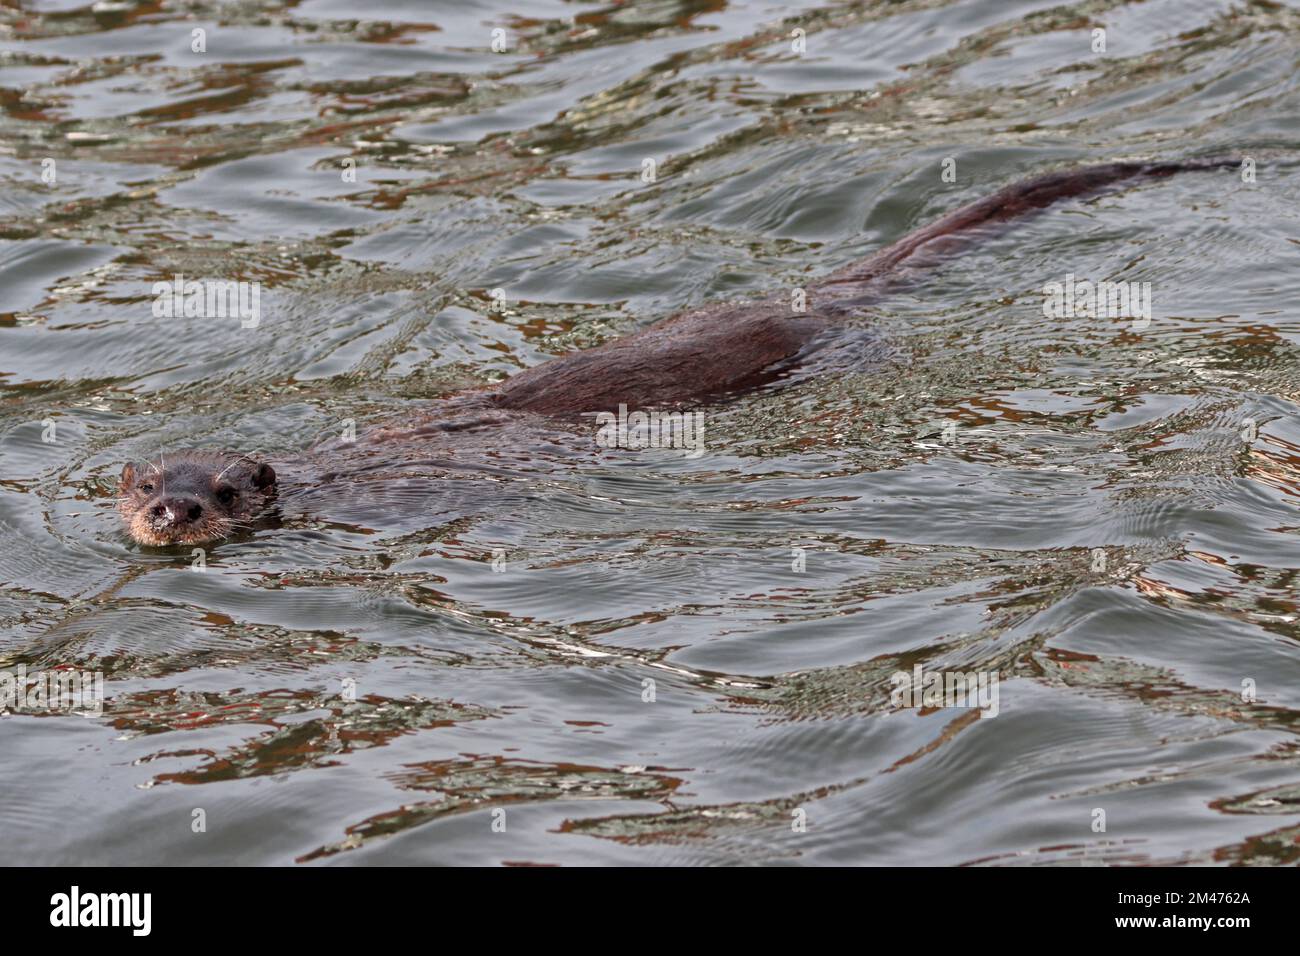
514,652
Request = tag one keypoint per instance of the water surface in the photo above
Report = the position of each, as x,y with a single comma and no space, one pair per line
1104,515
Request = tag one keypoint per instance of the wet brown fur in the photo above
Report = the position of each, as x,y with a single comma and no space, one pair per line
728,347
699,354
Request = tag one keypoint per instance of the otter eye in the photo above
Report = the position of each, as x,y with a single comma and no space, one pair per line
226,495
147,486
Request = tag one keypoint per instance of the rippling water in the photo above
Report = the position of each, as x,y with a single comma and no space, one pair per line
1103,513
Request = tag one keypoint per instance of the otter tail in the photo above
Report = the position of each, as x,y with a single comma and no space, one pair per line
931,244
727,348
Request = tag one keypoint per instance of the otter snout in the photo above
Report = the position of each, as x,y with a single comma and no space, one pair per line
176,512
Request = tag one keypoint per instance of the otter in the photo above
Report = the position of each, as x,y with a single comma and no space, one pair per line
195,496
703,354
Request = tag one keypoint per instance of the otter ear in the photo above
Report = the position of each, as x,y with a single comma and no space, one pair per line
263,476
127,478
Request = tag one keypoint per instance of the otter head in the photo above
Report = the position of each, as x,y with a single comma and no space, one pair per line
193,496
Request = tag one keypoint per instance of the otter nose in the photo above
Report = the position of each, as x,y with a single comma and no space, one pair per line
178,510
